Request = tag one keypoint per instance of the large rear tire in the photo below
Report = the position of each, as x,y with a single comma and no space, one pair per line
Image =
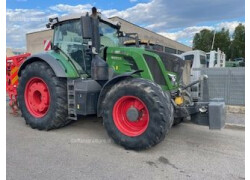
137,113
42,97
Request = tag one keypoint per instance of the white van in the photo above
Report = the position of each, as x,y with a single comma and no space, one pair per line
216,58
198,60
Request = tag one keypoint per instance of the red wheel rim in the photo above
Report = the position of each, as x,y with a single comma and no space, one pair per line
121,120
37,97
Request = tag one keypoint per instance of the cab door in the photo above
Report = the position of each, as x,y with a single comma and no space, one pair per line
68,37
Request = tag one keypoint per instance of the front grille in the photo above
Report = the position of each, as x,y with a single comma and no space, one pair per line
171,62
155,69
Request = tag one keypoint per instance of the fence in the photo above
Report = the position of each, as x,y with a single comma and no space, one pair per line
227,83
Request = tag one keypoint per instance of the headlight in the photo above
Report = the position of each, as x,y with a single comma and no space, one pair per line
172,79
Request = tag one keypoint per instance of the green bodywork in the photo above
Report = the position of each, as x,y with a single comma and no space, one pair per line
116,60
115,57
71,52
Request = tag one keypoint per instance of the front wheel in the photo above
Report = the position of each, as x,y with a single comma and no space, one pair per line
137,113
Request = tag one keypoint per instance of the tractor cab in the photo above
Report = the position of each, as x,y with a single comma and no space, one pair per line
78,37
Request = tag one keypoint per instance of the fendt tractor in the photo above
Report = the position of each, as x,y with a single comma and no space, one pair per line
136,91
142,43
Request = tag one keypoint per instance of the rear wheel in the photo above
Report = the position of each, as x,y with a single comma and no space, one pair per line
42,97
137,113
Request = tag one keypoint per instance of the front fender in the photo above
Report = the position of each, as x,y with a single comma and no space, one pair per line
108,85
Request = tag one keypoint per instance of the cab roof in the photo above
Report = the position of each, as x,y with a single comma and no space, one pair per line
78,16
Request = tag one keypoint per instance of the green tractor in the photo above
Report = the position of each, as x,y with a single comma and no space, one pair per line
136,91
143,43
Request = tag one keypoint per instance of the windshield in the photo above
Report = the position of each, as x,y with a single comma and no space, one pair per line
109,35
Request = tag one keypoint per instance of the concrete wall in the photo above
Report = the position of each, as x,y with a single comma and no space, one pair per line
143,33
34,41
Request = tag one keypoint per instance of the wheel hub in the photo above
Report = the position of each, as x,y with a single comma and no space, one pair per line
132,114
37,97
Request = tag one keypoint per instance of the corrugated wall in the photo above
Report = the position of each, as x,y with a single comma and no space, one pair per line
227,83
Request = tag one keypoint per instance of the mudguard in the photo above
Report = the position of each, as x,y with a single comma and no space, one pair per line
47,58
108,85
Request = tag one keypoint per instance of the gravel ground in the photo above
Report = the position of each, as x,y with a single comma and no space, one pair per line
237,119
82,150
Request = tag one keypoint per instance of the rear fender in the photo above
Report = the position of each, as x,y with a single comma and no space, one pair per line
54,63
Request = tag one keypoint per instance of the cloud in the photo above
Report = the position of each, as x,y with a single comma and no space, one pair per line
228,25
21,21
162,16
159,15
71,9
132,1
188,33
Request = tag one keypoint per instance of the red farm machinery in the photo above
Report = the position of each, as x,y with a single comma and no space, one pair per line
12,66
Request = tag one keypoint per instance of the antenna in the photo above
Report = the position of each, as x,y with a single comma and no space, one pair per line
213,41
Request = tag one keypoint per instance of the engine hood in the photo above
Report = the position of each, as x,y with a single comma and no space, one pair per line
171,62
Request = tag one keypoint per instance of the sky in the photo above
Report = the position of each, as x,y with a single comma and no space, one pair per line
178,20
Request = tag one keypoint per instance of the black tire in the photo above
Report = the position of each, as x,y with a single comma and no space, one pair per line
177,121
56,115
159,107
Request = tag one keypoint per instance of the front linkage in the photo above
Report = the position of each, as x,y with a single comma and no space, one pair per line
209,112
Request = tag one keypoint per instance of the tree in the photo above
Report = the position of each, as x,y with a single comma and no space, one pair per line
223,42
203,40
232,48
238,43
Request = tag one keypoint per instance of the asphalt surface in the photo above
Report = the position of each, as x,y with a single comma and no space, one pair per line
82,150
235,119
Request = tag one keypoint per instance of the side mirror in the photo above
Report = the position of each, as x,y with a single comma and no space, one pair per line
48,25
121,34
90,30
86,27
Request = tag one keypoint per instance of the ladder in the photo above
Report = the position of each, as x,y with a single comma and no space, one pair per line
71,99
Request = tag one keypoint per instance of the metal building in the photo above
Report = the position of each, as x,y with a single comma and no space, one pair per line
167,44
34,40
